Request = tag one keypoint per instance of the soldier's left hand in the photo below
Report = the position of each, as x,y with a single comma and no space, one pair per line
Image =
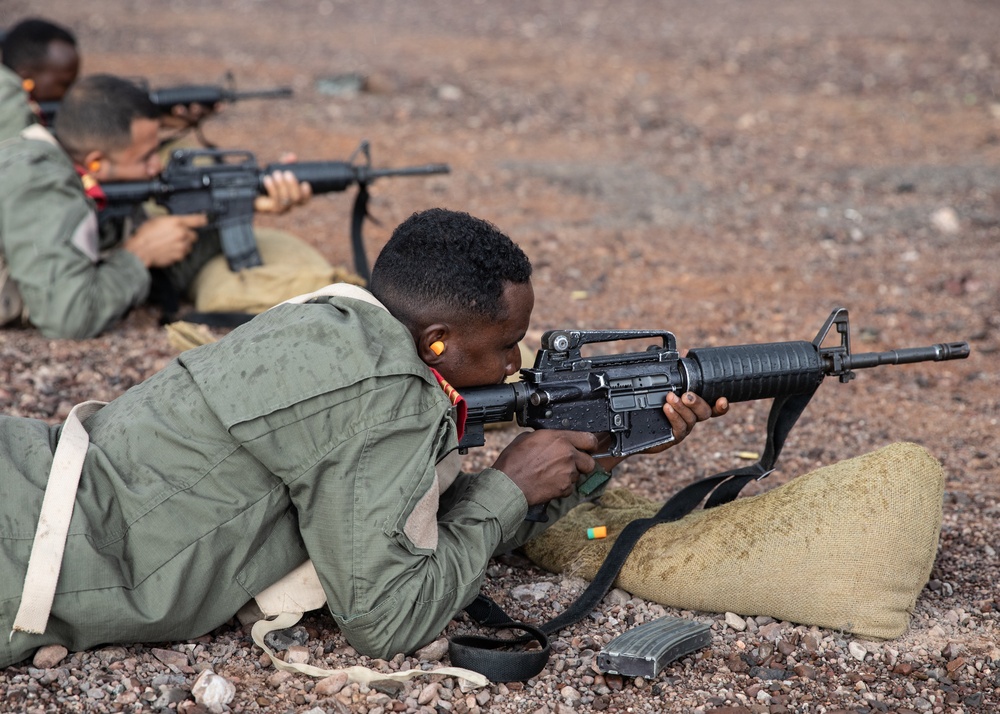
283,192
683,412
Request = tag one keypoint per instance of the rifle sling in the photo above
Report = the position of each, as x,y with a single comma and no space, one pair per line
358,214
482,654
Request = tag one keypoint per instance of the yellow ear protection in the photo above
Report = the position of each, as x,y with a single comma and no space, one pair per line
437,347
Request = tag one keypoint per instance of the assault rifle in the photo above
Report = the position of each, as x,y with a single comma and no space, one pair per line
623,394
224,184
167,98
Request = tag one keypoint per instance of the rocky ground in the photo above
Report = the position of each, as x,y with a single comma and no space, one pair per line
730,171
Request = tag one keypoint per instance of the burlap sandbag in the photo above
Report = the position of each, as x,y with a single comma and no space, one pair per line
847,547
291,267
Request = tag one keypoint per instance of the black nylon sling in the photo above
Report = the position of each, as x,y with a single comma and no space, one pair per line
485,654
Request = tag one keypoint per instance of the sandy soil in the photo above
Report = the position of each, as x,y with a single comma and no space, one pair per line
729,171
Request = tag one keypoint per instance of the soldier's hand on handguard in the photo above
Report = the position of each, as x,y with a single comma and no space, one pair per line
164,240
547,464
283,190
184,116
683,412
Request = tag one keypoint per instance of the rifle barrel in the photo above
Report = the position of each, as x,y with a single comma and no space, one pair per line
277,93
425,170
934,353
208,94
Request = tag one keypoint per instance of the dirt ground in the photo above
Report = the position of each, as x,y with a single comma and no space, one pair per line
729,171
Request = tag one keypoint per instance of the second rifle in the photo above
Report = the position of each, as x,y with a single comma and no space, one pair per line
224,184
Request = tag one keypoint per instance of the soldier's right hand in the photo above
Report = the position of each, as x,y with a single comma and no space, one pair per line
164,240
548,464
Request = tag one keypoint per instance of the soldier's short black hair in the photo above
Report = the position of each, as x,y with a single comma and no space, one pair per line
27,43
448,262
97,113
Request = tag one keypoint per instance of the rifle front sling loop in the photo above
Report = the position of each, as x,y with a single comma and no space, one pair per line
479,653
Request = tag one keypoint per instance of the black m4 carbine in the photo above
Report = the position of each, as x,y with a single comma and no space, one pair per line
224,184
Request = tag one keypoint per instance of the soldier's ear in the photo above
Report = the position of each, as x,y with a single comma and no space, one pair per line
96,164
432,344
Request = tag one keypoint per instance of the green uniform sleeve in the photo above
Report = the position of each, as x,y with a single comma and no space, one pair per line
49,235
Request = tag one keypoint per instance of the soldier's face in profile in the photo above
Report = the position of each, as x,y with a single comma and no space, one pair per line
140,160
486,352
56,73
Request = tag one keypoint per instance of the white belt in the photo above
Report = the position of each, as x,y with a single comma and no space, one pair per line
53,522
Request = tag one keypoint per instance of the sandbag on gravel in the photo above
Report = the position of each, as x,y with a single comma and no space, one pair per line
847,547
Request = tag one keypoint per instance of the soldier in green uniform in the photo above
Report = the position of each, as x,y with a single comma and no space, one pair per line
325,430
76,280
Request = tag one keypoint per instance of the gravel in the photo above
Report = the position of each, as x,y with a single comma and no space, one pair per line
725,170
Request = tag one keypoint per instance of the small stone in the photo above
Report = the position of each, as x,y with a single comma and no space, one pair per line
569,694
951,650
857,651
769,631
49,656
946,220
213,691
532,591
955,665
618,597
736,664
297,654
434,652
806,671
127,698
169,695
283,639
328,686
172,658
768,673
429,693
279,678
449,93
736,622
903,668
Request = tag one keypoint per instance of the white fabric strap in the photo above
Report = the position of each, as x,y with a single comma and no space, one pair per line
356,673
53,522
337,290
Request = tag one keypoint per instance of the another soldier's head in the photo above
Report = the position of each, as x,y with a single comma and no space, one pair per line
109,126
463,289
44,55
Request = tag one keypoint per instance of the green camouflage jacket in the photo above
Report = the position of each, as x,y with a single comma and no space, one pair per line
312,431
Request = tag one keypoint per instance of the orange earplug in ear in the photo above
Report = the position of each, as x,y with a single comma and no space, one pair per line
437,347
94,166
28,84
